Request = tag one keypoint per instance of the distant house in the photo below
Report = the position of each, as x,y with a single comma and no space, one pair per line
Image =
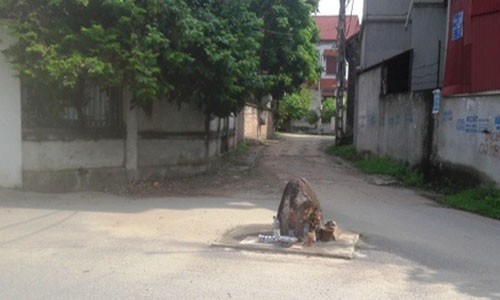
327,48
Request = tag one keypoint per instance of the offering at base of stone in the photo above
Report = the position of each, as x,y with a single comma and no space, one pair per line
329,232
288,240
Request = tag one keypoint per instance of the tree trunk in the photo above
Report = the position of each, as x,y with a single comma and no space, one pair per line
207,141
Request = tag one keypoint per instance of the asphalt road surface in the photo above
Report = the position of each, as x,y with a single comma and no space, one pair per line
155,244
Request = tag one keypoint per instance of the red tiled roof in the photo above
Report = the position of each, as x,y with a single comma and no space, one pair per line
328,26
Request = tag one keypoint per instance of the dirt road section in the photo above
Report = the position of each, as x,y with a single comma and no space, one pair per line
263,170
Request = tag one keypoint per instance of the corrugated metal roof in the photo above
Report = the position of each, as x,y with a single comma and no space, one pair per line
485,63
327,26
485,6
473,61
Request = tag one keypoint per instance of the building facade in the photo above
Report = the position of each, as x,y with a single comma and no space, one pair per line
401,64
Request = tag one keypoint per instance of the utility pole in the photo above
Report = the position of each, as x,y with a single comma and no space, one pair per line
341,70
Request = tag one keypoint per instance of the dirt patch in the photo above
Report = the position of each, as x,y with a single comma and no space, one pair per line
263,170
235,172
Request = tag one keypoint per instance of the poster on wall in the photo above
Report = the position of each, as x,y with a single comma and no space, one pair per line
458,26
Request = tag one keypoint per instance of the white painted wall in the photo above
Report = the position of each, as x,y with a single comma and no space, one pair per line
366,115
468,133
10,121
393,125
62,155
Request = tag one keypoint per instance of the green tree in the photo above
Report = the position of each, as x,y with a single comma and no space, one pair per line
294,106
64,45
216,53
328,110
288,56
203,51
224,44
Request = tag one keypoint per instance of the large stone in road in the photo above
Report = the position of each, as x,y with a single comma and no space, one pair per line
299,207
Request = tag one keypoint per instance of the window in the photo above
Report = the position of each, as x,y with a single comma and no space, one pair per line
331,65
396,74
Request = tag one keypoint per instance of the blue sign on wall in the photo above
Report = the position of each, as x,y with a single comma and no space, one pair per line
458,26
437,101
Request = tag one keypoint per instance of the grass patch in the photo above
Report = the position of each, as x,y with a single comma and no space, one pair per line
346,152
242,148
389,167
378,165
483,201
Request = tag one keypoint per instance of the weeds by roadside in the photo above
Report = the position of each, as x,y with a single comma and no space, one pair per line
483,200
346,152
242,148
396,169
378,165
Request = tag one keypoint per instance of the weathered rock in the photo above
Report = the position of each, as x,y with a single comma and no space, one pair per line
299,207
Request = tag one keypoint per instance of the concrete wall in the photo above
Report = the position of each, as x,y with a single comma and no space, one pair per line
251,122
173,151
467,133
61,155
386,7
366,114
10,121
171,142
386,35
168,117
255,130
383,40
240,127
61,166
394,125
428,27
403,126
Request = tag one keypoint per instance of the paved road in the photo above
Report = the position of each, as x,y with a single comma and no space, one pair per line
103,246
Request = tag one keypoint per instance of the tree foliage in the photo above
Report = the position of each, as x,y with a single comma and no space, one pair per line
295,106
328,110
216,53
67,44
288,55
224,65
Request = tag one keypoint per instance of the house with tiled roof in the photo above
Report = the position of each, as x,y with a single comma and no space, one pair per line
327,48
